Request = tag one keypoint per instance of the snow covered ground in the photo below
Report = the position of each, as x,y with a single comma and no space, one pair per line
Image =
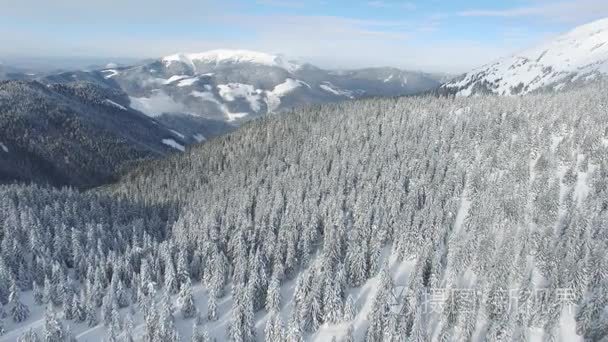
174,144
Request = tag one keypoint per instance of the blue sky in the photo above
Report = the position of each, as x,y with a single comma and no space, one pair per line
432,35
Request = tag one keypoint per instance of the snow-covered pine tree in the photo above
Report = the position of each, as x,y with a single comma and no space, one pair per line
53,329
29,336
19,311
273,297
186,300
212,314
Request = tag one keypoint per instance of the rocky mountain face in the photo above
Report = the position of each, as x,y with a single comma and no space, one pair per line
577,57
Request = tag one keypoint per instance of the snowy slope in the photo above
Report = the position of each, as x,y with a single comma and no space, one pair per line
580,55
219,57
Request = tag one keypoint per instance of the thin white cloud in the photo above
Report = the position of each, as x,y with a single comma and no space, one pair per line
326,41
281,3
392,4
570,11
512,12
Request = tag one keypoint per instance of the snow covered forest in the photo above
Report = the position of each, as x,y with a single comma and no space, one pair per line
406,219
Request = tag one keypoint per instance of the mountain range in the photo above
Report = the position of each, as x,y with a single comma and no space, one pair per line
82,127
150,109
211,92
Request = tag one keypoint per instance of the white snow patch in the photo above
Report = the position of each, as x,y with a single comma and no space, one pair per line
273,97
156,104
199,137
388,79
177,134
112,103
175,78
327,86
582,188
567,325
219,57
187,82
109,73
174,144
463,211
209,97
229,92
3,147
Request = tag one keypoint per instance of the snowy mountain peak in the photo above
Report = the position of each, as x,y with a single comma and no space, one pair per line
577,56
219,57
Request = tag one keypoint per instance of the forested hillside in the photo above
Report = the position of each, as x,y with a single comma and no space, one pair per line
414,219
77,134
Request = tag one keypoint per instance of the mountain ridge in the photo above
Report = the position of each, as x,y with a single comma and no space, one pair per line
578,56
74,134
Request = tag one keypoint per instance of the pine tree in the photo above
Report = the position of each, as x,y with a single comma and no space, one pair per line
166,328
332,303
127,334
349,337
37,293
183,275
212,306
80,314
199,333
122,298
419,331
19,311
186,300
108,307
278,329
49,292
273,297
269,329
241,326
171,283
294,331
350,309
69,335
68,308
53,329
356,262
91,313
29,336
116,324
